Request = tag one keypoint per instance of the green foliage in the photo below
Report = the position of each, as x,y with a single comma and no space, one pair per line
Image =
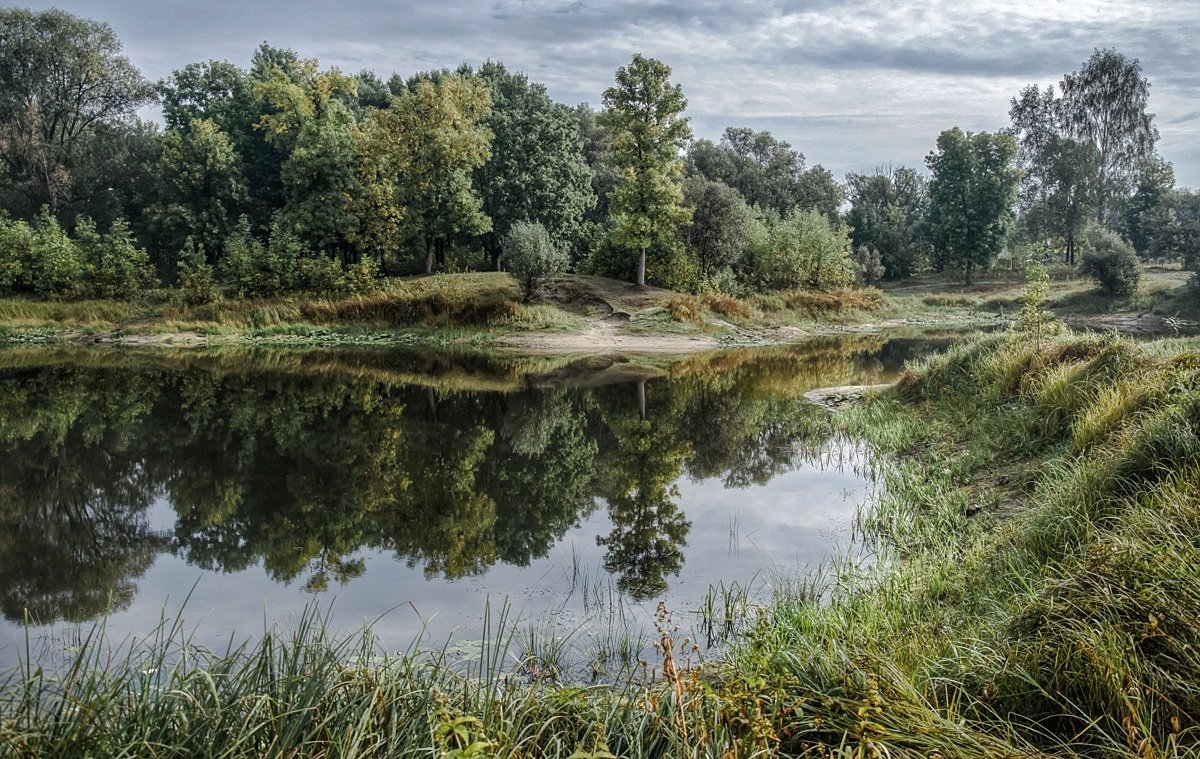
868,265
195,275
720,225
66,84
767,172
888,215
1111,262
1104,107
40,258
532,255
803,249
537,168
436,128
1151,224
971,194
1035,320
645,112
200,185
114,266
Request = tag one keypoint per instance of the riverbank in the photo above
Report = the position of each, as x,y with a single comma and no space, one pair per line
1034,593
573,314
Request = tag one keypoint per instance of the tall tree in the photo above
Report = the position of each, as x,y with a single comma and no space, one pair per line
888,213
1057,194
307,117
199,189
1104,105
645,112
971,195
437,124
536,171
63,82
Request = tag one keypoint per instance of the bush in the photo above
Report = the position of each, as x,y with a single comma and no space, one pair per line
115,266
868,265
801,250
1112,263
195,275
531,256
39,258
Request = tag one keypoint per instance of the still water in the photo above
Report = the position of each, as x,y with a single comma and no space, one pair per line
234,490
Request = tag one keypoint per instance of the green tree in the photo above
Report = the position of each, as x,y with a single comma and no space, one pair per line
1057,193
971,194
437,126
307,119
1104,105
645,112
536,170
719,231
1151,224
65,81
533,255
200,188
888,213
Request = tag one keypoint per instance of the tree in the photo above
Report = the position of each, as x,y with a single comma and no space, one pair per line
536,170
307,119
1057,191
718,233
200,188
888,213
437,126
645,112
533,255
971,194
63,82
1150,220
1104,105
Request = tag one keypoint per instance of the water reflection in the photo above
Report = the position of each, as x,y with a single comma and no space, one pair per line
301,462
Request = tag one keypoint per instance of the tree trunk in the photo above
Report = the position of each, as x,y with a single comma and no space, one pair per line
641,270
641,394
429,255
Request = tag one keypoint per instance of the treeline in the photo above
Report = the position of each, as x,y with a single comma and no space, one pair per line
286,176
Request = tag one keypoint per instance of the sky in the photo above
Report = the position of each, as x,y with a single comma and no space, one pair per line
852,84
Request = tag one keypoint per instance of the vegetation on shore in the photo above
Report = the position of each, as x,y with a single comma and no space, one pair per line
477,309
1034,593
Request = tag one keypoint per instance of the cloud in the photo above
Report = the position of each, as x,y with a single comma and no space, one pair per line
851,83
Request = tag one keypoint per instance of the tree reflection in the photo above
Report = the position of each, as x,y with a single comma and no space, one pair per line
299,465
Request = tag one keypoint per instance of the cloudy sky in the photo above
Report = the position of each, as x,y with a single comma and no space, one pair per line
851,83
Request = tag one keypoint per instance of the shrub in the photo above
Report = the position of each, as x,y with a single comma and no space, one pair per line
1112,263
868,265
532,256
801,250
685,308
195,275
115,266
39,258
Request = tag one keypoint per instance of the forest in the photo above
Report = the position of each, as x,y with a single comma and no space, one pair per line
220,181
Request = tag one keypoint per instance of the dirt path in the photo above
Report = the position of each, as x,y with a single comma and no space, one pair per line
603,333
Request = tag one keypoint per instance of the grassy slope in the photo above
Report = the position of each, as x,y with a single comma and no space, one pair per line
1037,593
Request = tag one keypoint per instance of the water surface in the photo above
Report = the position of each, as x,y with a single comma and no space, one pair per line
419,487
